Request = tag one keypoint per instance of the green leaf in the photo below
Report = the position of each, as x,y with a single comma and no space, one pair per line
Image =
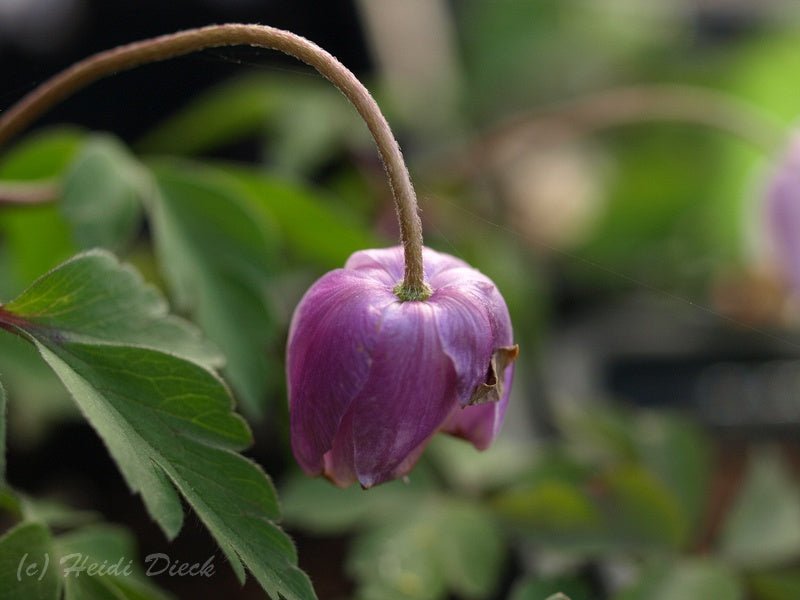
599,434
27,566
556,512
313,229
311,126
512,48
551,589
36,399
2,435
621,509
687,580
103,194
98,562
93,299
166,421
641,510
473,470
315,505
41,156
217,117
307,120
398,561
167,424
640,484
423,553
216,254
25,255
777,585
471,569
754,72
757,73
48,512
52,513
654,216
102,546
763,526
675,450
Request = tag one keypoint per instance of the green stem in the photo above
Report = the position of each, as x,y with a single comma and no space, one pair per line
122,58
28,192
626,106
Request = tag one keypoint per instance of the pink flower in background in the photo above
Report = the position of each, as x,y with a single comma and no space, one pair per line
372,379
783,213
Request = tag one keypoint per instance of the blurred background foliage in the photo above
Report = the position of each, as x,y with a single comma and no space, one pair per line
604,163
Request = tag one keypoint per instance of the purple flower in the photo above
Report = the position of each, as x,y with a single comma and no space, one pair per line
783,213
372,379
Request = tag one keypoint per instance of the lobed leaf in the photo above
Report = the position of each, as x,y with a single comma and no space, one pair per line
473,470
397,560
313,229
623,508
44,401
26,572
2,435
677,452
103,192
317,506
36,565
217,117
443,544
560,588
216,254
763,526
695,579
93,299
42,156
776,585
102,544
306,118
167,421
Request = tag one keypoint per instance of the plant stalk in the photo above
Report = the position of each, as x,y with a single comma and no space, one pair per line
623,106
157,49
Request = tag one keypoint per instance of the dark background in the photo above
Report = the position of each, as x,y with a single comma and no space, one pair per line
129,104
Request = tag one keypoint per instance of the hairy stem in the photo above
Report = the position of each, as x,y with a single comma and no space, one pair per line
122,58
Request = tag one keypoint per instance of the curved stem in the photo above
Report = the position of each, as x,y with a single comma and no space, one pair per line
28,192
626,106
164,47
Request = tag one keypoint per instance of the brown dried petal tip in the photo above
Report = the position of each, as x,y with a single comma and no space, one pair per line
491,389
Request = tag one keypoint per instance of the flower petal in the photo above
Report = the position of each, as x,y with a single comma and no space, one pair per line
387,266
438,262
384,264
404,468
372,379
783,213
466,335
408,395
340,459
480,423
481,286
328,358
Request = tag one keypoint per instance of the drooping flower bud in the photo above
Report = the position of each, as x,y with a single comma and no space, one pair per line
783,213
372,378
